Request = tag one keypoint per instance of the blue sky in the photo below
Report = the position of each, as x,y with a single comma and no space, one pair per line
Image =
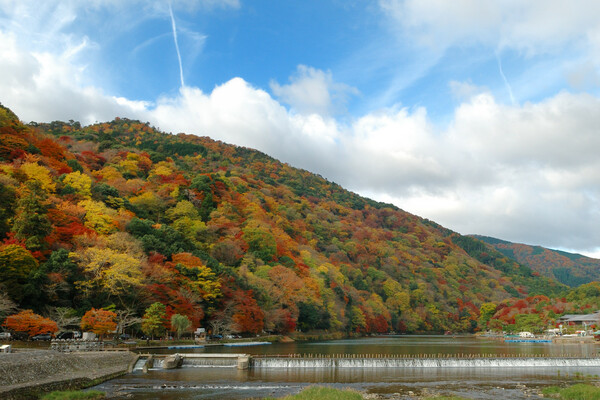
480,115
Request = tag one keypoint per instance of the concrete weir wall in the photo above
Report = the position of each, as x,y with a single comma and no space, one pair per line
27,374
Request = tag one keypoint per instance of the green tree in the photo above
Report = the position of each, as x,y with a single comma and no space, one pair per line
41,291
529,322
8,198
260,242
202,184
154,320
75,166
180,323
148,205
311,316
59,263
31,222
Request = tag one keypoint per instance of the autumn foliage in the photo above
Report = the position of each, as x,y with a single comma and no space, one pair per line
119,214
28,322
571,269
99,321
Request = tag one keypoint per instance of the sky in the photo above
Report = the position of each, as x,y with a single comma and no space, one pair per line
481,115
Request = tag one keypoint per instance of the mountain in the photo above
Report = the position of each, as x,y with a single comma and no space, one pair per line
568,268
121,215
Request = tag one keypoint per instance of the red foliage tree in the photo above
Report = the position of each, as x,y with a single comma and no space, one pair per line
49,148
247,317
176,302
29,322
379,325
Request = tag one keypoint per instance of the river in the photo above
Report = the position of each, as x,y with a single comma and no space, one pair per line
228,383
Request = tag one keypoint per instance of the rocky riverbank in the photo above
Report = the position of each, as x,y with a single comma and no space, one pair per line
24,375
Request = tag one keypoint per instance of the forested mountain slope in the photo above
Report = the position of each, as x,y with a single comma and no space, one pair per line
121,214
568,268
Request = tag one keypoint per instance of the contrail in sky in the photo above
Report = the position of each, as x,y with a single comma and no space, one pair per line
510,92
176,44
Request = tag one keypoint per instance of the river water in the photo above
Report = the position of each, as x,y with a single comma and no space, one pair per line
228,383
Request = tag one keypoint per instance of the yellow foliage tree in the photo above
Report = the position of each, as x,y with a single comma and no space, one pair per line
98,217
397,298
113,272
183,208
109,174
130,164
148,203
38,173
161,169
80,182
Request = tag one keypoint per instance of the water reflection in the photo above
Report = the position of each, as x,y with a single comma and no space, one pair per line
413,345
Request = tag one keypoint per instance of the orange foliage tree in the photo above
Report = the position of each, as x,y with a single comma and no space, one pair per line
248,317
99,321
29,322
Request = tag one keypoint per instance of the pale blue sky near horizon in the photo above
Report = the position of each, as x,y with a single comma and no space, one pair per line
480,115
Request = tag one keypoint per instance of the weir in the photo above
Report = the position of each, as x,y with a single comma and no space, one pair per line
292,361
239,361
513,362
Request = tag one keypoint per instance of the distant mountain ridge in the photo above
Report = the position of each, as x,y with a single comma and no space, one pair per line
570,269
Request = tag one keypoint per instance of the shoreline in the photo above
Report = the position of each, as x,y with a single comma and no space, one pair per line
26,375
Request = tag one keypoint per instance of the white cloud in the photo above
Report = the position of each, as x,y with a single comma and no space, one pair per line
533,26
584,75
313,91
526,172
567,33
46,87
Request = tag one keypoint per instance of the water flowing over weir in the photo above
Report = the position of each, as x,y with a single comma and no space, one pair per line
139,364
210,362
373,361
496,362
